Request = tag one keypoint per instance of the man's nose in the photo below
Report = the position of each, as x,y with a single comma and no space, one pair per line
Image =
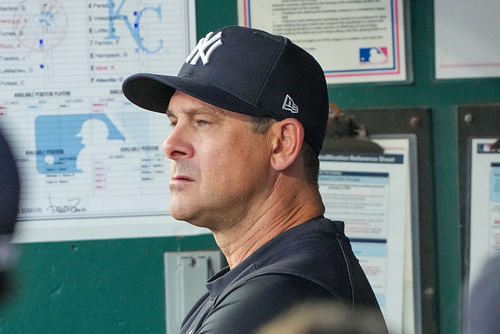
177,146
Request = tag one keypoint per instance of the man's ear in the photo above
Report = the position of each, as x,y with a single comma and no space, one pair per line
287,139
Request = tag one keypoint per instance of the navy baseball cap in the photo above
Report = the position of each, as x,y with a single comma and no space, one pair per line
247,71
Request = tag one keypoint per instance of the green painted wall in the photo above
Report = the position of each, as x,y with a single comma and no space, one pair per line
117,286
110,286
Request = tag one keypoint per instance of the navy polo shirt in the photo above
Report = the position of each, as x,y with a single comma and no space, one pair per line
311,261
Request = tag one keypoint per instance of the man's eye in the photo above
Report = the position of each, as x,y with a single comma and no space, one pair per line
202,122
173,124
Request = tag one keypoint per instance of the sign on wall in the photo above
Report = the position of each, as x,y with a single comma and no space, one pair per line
90,161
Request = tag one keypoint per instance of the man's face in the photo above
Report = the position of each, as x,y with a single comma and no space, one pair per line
220,168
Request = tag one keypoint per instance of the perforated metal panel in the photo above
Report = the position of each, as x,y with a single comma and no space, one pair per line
185,276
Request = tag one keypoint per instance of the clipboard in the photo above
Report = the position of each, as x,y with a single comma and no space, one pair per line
479,167
412,124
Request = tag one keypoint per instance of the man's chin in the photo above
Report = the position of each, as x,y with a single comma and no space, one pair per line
180,216
190,218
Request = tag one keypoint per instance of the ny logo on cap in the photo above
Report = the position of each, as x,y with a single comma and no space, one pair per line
289,105
200,51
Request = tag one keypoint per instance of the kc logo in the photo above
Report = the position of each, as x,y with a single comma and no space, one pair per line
114,14
210,42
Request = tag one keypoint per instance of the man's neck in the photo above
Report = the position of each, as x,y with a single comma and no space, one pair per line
278,213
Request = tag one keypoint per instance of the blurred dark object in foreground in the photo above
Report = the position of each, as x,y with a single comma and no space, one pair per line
9,204
325,317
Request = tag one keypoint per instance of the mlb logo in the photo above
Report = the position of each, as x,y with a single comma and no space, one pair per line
484,148
60,139
373,55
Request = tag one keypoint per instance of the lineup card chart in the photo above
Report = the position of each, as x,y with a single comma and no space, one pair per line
90,161
469,50
484,204
372,195
353,40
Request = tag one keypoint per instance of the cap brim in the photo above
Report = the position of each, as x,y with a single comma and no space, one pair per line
153,92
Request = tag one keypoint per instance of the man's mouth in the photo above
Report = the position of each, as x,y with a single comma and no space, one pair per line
181,178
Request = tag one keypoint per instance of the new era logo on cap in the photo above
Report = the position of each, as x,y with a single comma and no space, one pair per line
289,105
210,42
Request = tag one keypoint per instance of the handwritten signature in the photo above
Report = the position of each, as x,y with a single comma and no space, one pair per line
71,207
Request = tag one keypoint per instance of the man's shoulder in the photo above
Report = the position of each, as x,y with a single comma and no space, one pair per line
319,252
263,297
316,252
313,250
315,235
279,286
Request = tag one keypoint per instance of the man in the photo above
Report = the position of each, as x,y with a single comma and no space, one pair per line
249,113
